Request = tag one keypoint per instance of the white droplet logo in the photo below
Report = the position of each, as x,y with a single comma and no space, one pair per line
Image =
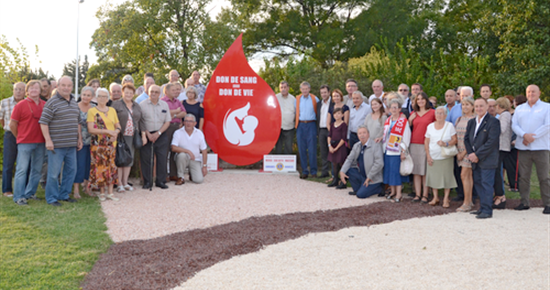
232,130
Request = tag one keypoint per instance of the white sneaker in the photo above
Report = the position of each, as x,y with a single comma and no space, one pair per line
112,197
102,197
128,187
121,189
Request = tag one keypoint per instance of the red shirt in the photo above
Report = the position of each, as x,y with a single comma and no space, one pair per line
174,105
420,124
27,113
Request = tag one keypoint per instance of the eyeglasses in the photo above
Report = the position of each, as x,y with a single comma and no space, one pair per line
403,90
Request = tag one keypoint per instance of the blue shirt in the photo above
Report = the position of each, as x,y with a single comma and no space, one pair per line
455,113
357,116
142,98
307,113
535,119
446,106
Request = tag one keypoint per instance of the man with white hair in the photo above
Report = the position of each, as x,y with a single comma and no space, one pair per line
456,112
403,90
115,90
378,89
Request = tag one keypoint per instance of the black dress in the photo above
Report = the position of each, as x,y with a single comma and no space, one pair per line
196,110
336,134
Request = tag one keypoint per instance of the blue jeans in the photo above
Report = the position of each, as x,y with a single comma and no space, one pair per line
65,157
83,161
29,157
10,154
357,183
353,138
306,136
484,180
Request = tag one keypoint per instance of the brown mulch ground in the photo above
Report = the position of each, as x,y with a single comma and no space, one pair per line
166,262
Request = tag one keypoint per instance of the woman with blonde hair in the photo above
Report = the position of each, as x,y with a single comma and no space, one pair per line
502,107
463,161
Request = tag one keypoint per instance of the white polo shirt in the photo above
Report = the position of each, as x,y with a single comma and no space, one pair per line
194,143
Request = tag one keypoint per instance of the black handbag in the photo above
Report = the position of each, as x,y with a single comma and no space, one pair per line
123,154
138,142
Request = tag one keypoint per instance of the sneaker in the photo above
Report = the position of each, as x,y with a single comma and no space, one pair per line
21,201
102,197
57,203
121,189
69,200
33,197
128,187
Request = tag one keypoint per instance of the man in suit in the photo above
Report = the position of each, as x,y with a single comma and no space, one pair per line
322,112
366,176
482,143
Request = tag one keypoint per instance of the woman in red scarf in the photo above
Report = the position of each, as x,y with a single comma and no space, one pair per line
397,137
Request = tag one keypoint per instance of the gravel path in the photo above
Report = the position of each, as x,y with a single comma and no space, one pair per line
221,199
454,251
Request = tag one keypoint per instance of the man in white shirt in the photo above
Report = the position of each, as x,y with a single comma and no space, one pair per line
378,89
288,116
357,116
189,144
531,123
322,113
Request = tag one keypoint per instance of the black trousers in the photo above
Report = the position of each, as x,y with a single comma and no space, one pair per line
323,146
457,170
170,133
511,165
285,140
160,150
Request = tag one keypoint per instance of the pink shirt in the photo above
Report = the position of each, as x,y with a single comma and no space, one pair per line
174,105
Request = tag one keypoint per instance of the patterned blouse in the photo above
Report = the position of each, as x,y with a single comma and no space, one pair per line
461,125
86,137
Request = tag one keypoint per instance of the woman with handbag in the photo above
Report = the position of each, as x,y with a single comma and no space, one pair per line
466,166
131,122
104,127
337,139
397,138
440,151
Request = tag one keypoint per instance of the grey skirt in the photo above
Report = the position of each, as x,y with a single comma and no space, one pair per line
418,155
440,174
130,141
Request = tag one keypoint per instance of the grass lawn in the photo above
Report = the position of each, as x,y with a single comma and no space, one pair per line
535,188
46,247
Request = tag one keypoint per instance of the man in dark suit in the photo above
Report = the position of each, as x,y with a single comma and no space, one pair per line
322,128
482,144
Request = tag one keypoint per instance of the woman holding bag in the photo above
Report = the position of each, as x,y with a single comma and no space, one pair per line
104,127
131,122
396,138
440,149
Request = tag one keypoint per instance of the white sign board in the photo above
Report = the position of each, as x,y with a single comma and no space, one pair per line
280,163
212,162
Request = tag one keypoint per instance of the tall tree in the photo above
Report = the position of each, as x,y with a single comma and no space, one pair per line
70,70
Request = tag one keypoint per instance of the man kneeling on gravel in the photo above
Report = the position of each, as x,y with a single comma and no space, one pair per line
366,176
188,143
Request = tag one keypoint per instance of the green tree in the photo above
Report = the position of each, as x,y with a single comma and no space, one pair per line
69,70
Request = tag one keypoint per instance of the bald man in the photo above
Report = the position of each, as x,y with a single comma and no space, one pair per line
531,123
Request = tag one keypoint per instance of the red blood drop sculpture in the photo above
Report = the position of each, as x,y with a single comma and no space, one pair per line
242,115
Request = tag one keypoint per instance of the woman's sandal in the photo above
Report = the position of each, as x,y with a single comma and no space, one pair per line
446,203
434,202
424,199
416,199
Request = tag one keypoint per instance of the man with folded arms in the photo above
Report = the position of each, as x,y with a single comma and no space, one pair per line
189,144
366,177
531,123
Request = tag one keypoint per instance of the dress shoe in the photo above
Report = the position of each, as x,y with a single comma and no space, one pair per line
484,215
57,203
146,186
161,185
69,200
333,183
342,186
352,193
521,207
303,176
457,198
477,212
180,181
173,178
546,210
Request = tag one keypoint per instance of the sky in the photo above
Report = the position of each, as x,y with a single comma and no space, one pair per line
52,26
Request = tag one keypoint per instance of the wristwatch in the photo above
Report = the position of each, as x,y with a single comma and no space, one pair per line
160,133
204,165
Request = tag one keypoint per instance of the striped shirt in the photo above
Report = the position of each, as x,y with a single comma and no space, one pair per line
6,107
62,117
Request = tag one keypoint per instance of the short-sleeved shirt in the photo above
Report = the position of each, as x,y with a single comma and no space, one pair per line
195,110
6,108
345,108
27,113
194,143
144,96
420,123
174,105
288,111
109,119
155,115
435,136
62,116
201,90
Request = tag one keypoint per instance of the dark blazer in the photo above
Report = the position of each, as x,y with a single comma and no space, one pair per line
485,145
318,113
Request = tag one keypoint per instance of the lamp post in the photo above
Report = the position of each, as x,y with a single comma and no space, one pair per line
77,65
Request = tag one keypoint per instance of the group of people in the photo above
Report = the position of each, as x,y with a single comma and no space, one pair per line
466,144
74,143
68,144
